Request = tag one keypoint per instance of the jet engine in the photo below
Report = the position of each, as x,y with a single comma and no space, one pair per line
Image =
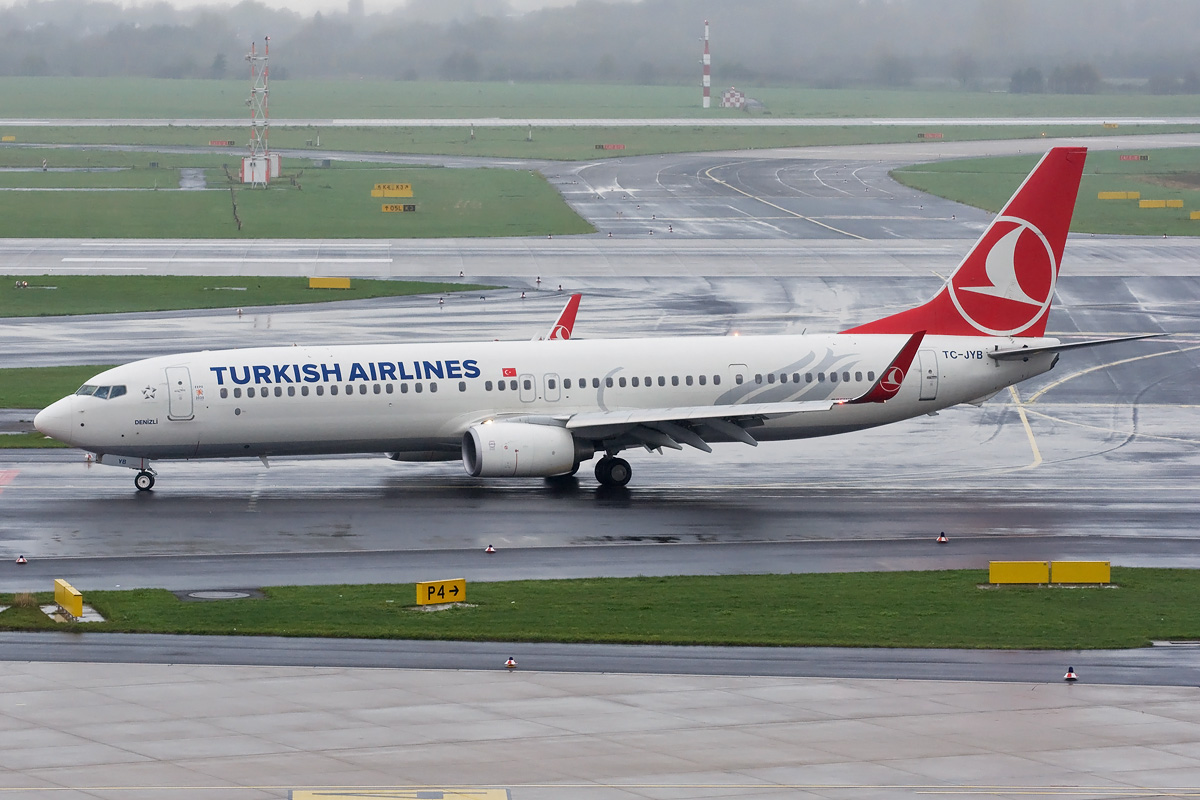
521,450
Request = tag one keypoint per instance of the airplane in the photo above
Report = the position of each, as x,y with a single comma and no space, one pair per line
536,409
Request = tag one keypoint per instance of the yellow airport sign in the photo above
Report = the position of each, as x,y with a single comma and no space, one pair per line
8,139
1080,572
68,598
1196,215
1152,204
1174,204
403,793
398,208
433,592
392,190
1114,196
1019,572
329,283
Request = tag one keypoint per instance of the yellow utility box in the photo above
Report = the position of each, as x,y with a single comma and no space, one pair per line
1152,204
1018,572
434,592
1080,572
329,283
68,598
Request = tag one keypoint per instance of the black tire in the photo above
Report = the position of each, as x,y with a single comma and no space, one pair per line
619,472
144,481
602,471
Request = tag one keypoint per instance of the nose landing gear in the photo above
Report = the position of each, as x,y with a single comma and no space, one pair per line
612,471
144,481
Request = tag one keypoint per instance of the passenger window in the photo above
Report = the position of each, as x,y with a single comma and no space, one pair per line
224,393
387,387
433,387
662,381
512,385
783,377
116,391
833,377
758,378
362,388
738,379
621,382
304,391
846,377
528,384
418,388
566,383
462,386
858,376
404,388
550,383
702,379
333,389
596,383
609,382
796,378
808,377
634,381
320,391
871,376
499,385
487,386
771,378
649,382
820,377
279,391
237,392
378,388
688,380
291,391
674,380
716,380
250,392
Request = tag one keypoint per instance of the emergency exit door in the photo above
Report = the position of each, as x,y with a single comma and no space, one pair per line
179,393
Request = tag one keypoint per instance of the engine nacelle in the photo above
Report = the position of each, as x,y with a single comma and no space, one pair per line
521,450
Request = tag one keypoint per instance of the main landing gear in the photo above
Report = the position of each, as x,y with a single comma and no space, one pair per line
144,481
612,471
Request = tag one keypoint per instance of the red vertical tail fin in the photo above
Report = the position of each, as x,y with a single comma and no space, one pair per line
1006,283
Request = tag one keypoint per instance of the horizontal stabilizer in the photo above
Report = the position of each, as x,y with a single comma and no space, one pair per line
1016,353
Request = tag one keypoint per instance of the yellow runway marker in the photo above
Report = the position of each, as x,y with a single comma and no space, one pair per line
1037,454
1034,397
710,176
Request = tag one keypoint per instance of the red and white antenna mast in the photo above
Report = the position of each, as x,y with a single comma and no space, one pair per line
260,116
707,62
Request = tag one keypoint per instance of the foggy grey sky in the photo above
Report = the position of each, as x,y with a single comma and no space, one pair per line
307,7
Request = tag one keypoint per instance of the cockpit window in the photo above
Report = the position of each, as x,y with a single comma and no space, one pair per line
102,392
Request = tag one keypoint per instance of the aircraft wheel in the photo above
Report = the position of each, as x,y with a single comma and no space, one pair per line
144,481
613,471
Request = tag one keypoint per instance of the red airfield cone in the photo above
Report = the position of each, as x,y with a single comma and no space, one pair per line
489,549
511,663
1070,676
22,560
942,538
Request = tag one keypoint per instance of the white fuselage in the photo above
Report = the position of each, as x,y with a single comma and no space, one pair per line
417,400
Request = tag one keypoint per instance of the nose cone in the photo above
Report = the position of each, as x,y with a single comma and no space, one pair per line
55,420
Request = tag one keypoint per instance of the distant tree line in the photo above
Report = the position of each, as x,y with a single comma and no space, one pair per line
1070,46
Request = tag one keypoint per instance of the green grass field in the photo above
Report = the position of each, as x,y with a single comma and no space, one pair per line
150,98
106,294
1167,175
321,203
38,387
893,609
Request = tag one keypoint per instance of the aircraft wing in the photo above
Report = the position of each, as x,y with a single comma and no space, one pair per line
694,425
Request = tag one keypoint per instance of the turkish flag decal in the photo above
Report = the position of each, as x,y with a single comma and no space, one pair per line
510,372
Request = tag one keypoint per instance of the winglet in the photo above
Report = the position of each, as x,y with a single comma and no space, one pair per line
891,378
562,327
